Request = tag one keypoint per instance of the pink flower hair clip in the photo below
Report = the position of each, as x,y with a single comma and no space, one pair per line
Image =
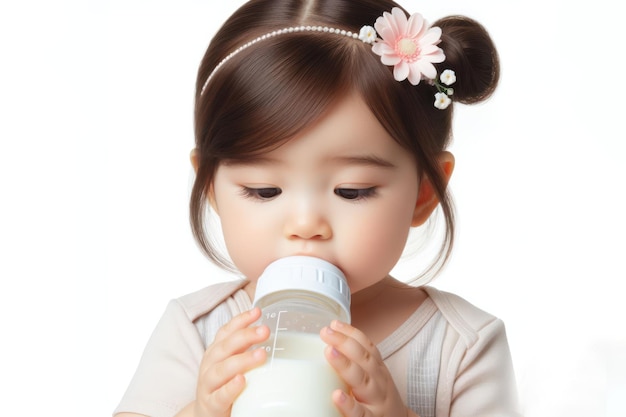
410,46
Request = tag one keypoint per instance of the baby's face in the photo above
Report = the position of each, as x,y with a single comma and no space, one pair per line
343,191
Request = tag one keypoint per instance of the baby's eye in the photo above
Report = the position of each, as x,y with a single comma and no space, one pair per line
355,193
263,193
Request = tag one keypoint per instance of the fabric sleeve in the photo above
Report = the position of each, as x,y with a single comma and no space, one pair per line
485,382
165,380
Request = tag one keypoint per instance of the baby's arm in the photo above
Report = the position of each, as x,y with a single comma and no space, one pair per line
485,381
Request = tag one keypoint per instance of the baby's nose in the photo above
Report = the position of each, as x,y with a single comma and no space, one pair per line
308,223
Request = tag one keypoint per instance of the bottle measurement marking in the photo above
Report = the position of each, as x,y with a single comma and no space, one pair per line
278,329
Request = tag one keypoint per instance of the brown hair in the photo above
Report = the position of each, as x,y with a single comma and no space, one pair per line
268,93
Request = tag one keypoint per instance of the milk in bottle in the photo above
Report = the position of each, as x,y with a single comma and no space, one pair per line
297,296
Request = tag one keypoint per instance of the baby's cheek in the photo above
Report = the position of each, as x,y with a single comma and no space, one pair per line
375,253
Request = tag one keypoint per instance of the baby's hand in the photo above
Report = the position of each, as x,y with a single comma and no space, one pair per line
221,379
358,362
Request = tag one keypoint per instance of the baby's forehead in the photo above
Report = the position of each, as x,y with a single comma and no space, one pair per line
348,134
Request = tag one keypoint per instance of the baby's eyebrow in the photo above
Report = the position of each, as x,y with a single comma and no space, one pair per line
363,160
256,160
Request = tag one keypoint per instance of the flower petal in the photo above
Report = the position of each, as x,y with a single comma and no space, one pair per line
390,59
432,36
429,49
401,71
415,25
383,48
387,20
385,31
437,57
415,76
388,24
426,68
400,20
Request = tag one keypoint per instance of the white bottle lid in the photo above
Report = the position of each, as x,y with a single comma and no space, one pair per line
308,274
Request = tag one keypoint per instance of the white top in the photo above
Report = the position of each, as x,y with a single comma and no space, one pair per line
448,359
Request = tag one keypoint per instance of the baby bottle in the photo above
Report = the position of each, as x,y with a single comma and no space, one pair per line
297,296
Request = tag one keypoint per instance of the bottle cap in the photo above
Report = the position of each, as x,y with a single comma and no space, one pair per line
308,274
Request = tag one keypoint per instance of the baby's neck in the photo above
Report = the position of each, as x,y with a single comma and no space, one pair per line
380,309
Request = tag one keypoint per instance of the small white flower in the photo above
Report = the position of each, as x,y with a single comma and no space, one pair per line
450,91
367,34
448,77
442,101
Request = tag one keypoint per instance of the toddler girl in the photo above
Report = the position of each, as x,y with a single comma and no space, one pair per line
321,130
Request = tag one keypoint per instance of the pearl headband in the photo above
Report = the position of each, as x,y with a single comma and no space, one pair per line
275,33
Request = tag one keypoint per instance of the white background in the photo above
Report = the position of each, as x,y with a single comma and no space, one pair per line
95,133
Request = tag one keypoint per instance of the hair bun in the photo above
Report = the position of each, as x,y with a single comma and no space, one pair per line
472,55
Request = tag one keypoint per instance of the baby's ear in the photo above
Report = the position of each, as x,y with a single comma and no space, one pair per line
427,198
193,157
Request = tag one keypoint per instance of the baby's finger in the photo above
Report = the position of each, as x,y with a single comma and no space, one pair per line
358,362
238,342
238,322
219,402
352,343
215,377
348,406
352,332
350,372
